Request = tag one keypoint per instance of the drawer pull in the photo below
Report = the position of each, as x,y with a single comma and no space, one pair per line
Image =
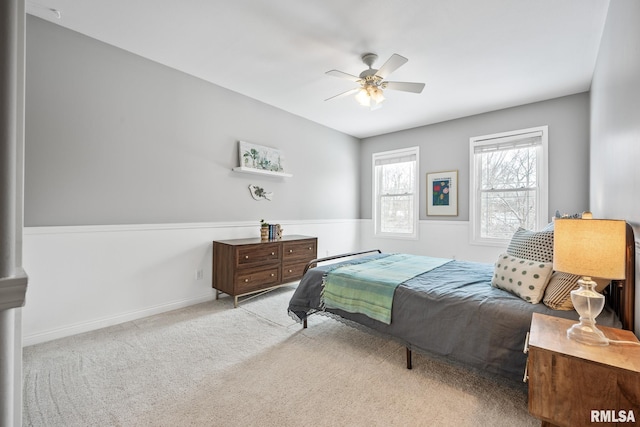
246,257
246,280
290,271
310,248
273,253
272,274
290,251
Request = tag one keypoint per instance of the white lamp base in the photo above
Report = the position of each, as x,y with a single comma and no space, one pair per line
586,333
588,303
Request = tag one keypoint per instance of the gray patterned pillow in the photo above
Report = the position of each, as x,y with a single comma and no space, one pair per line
558,293
532,245
522,277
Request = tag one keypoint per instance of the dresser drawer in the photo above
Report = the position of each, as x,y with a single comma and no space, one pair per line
257,279
305,250
292,272
257,255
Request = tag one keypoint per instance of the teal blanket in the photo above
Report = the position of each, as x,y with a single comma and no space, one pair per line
368,288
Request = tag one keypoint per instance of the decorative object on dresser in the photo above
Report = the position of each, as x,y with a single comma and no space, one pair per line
243,267
264,230
572,384
270,231
590,248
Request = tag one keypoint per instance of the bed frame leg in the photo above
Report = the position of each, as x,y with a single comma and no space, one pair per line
409,364
304,324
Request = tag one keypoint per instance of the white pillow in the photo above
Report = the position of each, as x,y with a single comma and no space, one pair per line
524,278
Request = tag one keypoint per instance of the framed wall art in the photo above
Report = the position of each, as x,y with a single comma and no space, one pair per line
260,160
260,157
442,193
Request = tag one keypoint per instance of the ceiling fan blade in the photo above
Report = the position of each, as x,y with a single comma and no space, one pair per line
343,94
342,75
392,64
405,86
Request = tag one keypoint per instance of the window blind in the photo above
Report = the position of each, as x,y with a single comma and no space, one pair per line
399,158
524,140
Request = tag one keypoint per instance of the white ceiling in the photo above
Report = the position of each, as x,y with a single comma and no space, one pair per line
474,55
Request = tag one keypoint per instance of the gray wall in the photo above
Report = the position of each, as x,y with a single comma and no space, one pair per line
615,117
615,124
445,146
113,138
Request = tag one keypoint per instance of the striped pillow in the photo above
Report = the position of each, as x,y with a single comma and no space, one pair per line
558,293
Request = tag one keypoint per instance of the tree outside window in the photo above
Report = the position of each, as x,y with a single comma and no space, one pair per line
509,187
395,192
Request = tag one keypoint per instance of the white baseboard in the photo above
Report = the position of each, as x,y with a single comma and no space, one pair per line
111,321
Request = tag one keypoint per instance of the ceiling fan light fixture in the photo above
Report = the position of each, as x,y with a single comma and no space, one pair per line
376,94
363,97
372,81
369,95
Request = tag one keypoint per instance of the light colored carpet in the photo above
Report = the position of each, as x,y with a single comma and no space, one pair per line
212,365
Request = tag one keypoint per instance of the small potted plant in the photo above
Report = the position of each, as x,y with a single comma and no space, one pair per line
264,230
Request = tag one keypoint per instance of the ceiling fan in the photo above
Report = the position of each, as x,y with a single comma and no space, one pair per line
372,82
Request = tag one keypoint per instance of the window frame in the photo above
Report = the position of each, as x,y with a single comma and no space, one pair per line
391,154
542,177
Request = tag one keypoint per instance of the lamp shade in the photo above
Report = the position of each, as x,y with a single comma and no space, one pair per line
590,247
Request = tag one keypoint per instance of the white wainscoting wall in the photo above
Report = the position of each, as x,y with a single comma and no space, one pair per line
83,278
445,239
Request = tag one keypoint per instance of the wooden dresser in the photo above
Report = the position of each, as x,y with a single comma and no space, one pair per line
573,384
249,266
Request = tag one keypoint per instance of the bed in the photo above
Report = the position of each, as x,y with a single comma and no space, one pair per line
452,311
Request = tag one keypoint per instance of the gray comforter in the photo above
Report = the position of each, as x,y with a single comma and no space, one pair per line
451,311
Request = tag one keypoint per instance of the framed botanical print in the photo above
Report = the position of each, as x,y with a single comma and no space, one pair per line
442,193
259,157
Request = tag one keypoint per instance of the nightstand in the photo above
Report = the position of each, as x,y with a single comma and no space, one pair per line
573,384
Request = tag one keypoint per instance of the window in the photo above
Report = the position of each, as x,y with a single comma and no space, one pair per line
395,193
509,186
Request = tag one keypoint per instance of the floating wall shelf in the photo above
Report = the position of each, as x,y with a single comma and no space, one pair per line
254,171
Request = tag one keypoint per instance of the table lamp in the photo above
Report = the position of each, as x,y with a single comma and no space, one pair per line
589,248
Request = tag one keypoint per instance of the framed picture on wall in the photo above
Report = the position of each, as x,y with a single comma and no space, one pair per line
260,157
442,193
